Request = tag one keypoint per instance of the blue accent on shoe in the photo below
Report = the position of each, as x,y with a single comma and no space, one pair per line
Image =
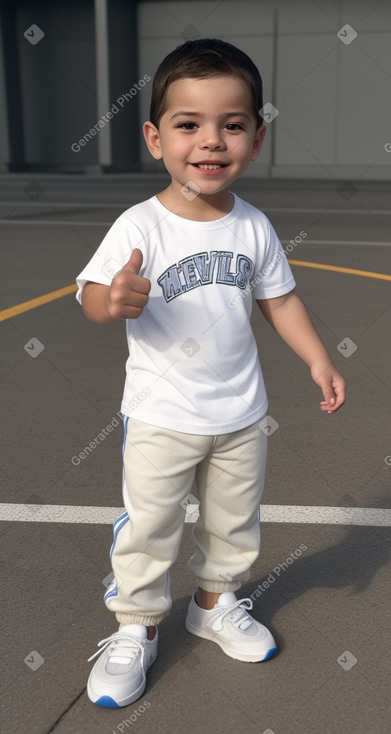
270,653
107,702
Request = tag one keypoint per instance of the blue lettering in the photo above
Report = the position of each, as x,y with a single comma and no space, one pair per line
170,283
223,274
245,268
200,269
188,268
205,265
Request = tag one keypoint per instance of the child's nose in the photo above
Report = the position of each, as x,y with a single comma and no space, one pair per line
211,139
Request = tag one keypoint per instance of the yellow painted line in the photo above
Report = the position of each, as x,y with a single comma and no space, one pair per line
337,269
8,313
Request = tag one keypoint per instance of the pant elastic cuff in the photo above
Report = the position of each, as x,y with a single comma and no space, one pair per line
147,621
218,586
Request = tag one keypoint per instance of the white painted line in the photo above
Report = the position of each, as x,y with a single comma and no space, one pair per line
326,515
59,513
269,513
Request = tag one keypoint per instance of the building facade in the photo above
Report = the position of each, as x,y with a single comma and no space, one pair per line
76,78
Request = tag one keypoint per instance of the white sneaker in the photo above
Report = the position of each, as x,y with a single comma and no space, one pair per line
228,624
118,677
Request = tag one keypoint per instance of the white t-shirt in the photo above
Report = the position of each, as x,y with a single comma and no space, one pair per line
193,361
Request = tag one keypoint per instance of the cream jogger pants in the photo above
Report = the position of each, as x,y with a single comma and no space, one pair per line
159,468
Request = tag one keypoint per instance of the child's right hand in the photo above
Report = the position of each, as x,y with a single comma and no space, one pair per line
128,293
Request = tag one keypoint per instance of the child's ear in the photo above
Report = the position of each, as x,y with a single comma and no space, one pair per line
258,141
152,139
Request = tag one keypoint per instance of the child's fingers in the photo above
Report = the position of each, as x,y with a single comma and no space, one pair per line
332,386
329,394
330,407
332,403
340,394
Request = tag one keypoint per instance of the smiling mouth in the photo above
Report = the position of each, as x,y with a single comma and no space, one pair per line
210,166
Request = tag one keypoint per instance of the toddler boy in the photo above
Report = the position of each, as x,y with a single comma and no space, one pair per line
187,263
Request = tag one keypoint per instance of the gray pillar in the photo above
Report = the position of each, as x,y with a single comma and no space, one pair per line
102,80
272,128
12,147
123,76
5,152
116,44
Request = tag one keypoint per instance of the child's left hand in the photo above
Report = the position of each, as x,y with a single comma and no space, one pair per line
332,385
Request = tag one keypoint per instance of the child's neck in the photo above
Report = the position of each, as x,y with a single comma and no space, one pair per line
201,208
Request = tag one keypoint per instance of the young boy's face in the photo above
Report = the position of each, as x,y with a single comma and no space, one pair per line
206,120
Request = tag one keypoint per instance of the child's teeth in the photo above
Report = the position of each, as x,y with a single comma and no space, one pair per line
204,165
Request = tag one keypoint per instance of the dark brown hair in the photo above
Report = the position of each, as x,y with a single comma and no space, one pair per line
200,59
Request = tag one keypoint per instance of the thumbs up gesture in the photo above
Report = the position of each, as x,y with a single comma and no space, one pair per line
128,293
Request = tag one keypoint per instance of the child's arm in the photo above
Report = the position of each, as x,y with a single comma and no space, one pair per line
125,298
290,319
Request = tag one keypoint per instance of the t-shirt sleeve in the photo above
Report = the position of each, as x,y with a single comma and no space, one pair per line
112,254
273,276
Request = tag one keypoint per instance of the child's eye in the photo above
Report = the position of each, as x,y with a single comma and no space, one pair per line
187,125
192,125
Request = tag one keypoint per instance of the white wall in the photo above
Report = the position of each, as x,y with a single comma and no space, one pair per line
334,100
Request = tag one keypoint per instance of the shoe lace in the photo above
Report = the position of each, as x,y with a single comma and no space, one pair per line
237,613
121,645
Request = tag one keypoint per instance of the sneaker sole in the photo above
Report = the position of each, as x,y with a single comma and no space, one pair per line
243,657
110,703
